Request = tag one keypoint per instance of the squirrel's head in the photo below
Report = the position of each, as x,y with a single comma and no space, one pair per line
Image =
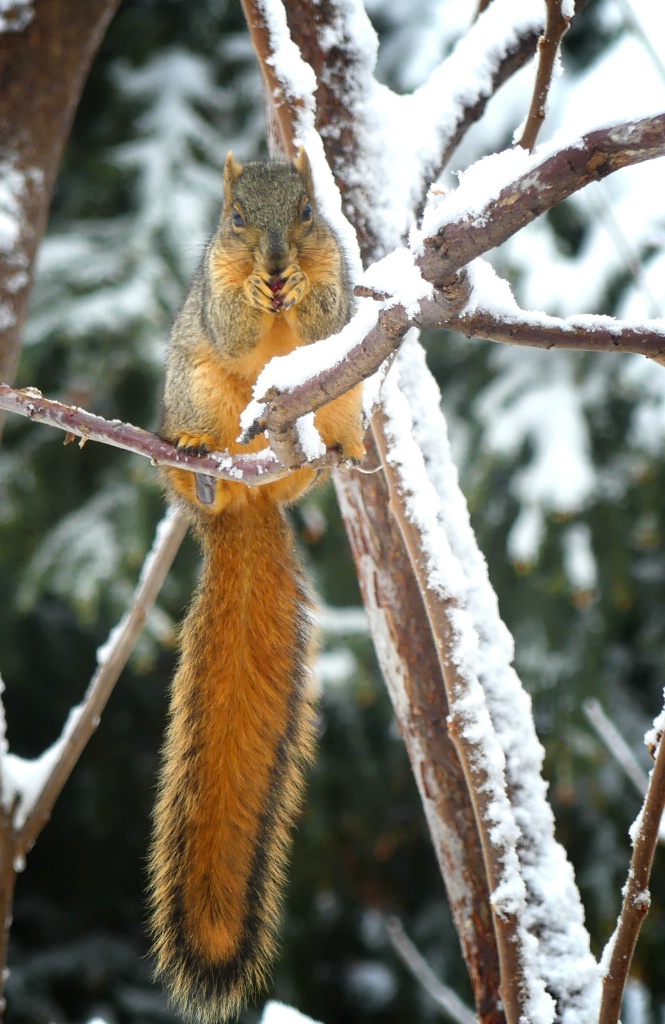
270,210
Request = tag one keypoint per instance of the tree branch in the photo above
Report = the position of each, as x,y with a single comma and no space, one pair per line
252,470
457,239
470,730
450,1004
112,658
548,48
636,898
43,68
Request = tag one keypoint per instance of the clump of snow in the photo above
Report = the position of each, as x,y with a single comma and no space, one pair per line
23,779
309,439
15,15
578,559
398,276
278,1013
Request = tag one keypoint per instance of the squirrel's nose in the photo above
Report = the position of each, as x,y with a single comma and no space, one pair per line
277,254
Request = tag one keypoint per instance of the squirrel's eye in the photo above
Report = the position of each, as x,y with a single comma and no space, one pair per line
307,212
238,220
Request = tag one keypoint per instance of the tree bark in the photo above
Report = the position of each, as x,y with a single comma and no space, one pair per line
43,67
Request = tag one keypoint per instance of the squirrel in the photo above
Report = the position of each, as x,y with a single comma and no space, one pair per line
241,722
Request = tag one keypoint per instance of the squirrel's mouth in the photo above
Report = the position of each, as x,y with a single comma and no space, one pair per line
276,284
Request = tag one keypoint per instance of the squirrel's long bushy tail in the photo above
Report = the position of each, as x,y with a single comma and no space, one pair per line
240,733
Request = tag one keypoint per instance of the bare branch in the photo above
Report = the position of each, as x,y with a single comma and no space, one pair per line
111,661
548,48
616,744
43,68
449,1003
636,897
252,470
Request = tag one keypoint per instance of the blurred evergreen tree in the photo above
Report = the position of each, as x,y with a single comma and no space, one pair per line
561,459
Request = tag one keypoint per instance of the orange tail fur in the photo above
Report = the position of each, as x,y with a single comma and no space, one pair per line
240,732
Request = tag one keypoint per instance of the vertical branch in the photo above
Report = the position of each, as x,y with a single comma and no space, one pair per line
7,884
43,66
398,622
548,48
468,721
618,956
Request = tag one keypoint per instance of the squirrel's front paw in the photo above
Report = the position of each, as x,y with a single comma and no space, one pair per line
261,291
294,287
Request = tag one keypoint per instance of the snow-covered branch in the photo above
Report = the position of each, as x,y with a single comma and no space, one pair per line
31,788
499,195
252,470
618,954
443,587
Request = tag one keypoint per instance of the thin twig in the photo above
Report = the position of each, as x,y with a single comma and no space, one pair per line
112,659
448,1002
616,744
556,27
636,897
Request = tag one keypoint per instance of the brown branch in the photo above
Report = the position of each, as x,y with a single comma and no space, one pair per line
636,898
252,470
548,48
403,639
119,646
441,613
593,157
441,312
283,107
43,69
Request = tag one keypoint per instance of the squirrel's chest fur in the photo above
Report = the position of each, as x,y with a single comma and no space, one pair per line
224,386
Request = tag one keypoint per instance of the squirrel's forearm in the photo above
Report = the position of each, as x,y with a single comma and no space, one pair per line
241,728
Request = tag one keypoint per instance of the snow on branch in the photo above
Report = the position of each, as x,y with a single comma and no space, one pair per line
444,588
618,954
500,194
252,470
30,788
33,787
554,911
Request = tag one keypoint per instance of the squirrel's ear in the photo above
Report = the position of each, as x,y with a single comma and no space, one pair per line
232,170
302,165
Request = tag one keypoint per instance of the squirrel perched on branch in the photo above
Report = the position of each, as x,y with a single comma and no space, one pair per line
240,733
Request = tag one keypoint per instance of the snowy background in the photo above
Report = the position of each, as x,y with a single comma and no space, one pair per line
561,460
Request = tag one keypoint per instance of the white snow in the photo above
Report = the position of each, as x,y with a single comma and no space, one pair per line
23,778
15,15
553,910
288,372
397,276
278,1013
